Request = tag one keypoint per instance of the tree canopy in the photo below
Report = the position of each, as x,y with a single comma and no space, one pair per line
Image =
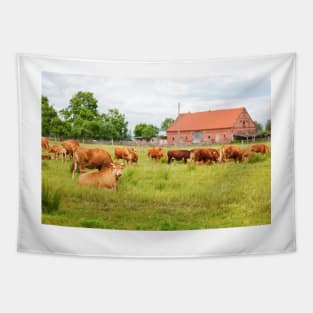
48,114
167,123
258,126
81,119
268,126
146,131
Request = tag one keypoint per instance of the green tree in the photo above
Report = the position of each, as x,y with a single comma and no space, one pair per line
59,128
115,125
258,126
268,126
147,131
83,106
167,123
48,114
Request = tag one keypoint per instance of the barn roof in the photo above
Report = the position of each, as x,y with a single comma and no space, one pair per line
206,120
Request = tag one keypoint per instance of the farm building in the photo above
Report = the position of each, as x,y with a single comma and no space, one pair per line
218,126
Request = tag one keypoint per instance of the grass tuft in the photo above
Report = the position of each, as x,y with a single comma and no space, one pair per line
50,201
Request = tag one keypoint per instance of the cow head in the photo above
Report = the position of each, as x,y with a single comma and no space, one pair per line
117,169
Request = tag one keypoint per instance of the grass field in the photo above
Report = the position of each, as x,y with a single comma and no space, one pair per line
158,196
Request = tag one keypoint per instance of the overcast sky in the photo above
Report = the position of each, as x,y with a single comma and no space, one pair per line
152,100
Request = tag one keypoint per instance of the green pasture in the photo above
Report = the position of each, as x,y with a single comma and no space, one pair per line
158,196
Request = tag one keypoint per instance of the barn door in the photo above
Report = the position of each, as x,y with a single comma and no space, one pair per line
196,137
217,138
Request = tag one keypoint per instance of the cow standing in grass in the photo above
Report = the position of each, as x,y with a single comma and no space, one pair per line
107,178
90,158
205,155
178,155
233,153
58,151
127,154
70,146
44,143
259,148
155,153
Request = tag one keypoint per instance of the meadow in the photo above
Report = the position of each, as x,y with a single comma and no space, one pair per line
156,196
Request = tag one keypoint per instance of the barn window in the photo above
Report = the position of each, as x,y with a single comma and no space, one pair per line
224,135
244,122
186,138
209,137
173,138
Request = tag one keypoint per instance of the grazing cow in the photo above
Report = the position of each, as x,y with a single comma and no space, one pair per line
155,153
127,154
58,151
107,178
70,146
44,143
133,157
90,158
205,155
177,155
259,148
233,153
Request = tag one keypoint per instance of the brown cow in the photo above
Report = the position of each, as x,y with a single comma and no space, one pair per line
259,148
233,153
155,153
178,155
205,155
127,154
133,157
44,143
107,178
70,146
58,151
90,158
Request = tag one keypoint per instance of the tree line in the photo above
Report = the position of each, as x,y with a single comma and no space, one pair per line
81,119
264,132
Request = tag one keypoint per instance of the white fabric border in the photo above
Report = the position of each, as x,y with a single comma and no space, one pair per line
278,237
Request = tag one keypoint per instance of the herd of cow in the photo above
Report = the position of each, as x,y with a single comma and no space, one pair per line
109,171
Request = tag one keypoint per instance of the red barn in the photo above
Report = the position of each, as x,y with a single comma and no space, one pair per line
218,126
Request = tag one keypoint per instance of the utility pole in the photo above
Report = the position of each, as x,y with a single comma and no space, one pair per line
178,123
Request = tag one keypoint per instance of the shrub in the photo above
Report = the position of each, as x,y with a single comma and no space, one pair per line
50,201
256,157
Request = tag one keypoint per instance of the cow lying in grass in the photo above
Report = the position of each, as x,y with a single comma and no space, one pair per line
107,178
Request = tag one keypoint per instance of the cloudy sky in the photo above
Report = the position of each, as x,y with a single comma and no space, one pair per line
152,100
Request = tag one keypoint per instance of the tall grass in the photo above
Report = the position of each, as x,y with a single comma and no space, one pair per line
50,200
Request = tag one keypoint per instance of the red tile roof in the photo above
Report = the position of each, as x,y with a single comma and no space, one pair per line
206,120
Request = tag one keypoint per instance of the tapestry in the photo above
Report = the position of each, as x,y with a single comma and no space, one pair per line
180,158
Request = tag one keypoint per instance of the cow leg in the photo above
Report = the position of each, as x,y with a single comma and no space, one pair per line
74,169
